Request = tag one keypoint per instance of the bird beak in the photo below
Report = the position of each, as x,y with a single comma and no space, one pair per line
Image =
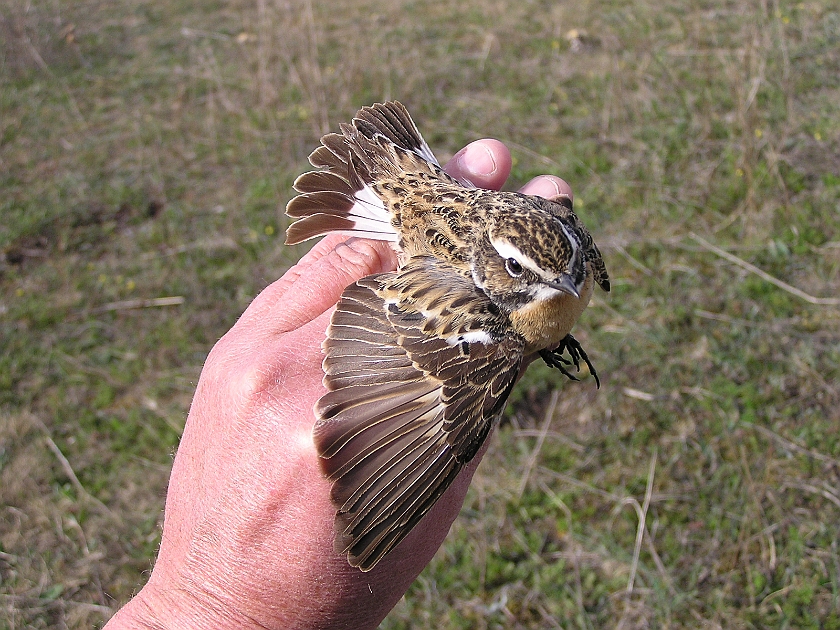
565,284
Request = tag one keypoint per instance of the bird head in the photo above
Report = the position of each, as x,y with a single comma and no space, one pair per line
528,255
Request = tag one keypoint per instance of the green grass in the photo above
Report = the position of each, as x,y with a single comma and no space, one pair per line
145,152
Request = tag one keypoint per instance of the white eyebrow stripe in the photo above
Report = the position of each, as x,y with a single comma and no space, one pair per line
507,250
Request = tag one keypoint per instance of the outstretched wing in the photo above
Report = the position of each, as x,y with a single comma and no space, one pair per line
382,144
416,375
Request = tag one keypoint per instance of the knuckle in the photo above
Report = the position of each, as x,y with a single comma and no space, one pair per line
235,371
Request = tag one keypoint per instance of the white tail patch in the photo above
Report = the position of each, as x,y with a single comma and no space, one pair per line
371,217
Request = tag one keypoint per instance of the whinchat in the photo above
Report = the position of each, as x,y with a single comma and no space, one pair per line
420,362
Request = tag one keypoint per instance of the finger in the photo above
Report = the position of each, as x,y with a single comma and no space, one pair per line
484,163
315,284
548,186
319,250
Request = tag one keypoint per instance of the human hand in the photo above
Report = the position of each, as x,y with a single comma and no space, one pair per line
248,528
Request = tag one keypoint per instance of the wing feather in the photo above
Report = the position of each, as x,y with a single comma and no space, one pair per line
406,409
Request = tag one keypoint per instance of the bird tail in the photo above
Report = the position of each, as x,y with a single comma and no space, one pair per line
382,142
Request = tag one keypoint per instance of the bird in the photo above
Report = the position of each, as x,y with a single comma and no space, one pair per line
419,362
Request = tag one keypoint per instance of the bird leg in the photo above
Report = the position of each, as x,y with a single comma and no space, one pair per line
554,358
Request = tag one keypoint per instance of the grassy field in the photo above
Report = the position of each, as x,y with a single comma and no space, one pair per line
147,148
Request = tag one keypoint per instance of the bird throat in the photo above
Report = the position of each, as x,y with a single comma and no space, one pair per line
545,323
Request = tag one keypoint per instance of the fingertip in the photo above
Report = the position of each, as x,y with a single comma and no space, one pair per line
548,186
485,163
356,258
315,284
323,247
320,285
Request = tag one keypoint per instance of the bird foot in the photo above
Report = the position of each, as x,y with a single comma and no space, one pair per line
554,358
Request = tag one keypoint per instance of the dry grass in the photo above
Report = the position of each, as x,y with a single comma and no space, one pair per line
145,149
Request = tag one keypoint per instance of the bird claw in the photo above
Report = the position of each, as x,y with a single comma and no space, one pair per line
554,358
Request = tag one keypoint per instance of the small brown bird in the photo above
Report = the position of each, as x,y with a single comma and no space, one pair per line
419,362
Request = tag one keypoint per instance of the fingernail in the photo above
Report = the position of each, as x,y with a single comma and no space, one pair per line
550,188
477,159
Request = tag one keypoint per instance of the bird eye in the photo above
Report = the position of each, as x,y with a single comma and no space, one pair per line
513,267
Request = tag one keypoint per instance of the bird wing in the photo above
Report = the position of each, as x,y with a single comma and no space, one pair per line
416,375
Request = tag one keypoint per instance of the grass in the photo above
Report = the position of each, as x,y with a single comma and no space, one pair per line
146,149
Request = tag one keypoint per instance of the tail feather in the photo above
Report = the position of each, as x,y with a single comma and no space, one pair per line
317,181
317,225
381,143
393,121
330,156
315,202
